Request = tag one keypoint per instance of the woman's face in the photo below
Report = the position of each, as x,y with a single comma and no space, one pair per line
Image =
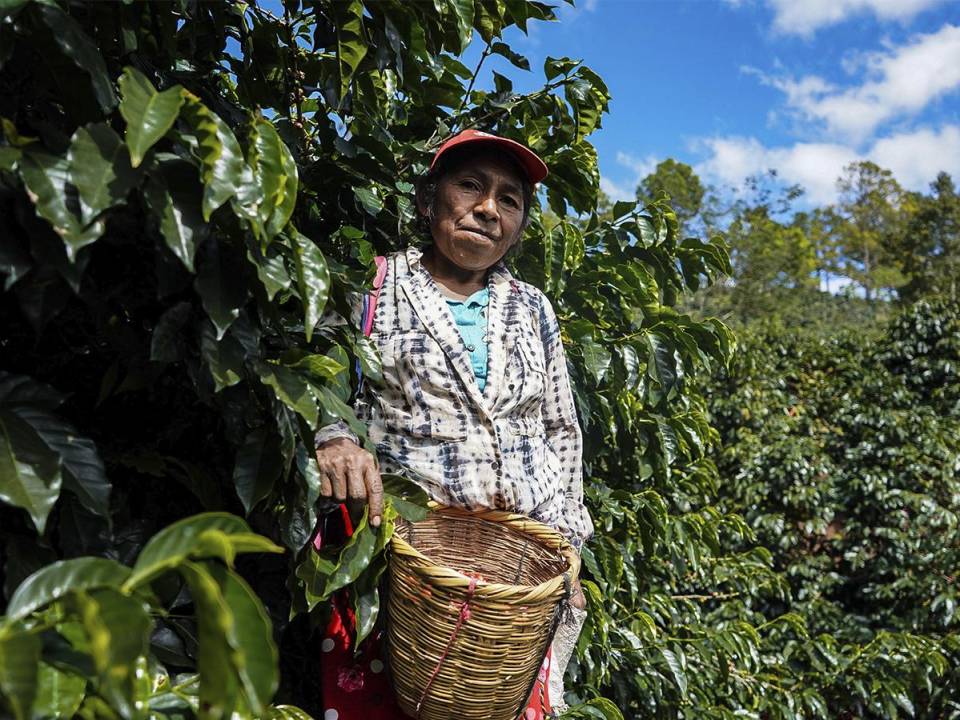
478,212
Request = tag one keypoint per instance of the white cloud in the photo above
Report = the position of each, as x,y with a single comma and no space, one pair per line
902,81
616,190
815,166
627,189
805,17
915,157
641,166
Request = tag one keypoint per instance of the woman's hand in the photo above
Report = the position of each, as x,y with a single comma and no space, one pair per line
347,471
577,598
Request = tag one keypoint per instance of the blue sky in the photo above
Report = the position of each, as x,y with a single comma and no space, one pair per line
734,87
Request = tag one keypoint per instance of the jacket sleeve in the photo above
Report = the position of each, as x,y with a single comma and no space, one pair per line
563,429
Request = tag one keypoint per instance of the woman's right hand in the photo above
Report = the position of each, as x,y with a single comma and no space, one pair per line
347,471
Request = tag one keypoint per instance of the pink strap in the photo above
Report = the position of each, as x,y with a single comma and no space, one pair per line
463,617
374,296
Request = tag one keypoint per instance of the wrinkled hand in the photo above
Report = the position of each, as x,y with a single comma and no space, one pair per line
348,472
577,598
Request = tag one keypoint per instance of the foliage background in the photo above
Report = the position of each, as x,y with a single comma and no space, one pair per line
191,192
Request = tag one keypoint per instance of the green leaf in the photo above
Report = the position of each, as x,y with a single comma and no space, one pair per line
220,284
100,169
223,169
407,498
57,580
599,708
596,358
83,470
326,572
313,279
19,658
275,171
46,177
351,42
501,48
317,367
80,48
149,114
339,409
679,676
463,14
30,476
366,352
552,67
661,365
118,628
291,389
366,601
224,357
59,693
219,535
270,268
257,467
369,200
236,649
33,403
175,203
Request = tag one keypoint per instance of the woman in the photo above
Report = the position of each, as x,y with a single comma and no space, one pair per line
476,403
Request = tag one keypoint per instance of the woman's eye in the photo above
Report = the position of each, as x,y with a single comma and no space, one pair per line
510,201
469,185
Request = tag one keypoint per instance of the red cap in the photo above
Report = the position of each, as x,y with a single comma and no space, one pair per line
534,167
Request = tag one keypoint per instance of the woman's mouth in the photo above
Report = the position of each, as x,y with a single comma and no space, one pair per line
479,233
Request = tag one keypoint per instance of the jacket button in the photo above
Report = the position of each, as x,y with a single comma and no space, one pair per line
470,348
495,465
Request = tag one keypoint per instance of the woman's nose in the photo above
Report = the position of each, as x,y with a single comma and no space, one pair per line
487,207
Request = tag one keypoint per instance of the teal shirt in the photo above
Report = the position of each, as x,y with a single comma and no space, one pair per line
471,318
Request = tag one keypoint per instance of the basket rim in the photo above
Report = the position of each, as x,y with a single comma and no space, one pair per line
450,578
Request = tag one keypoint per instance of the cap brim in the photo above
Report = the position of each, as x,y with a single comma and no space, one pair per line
531,163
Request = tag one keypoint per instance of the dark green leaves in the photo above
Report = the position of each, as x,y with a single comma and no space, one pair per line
220,284
313,279
257,467
172,195
501,48
149,114
29,470
100,169
46,177
275,174
223,168
19,656
350,44
218,535
76,45
61,578
237,660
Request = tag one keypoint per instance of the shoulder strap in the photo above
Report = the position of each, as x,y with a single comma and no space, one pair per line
370,309
370,301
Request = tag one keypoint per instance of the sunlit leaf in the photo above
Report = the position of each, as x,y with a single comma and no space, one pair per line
149,114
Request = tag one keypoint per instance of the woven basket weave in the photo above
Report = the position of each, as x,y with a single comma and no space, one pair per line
478,664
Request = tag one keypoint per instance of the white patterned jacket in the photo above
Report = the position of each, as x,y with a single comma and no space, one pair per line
514,446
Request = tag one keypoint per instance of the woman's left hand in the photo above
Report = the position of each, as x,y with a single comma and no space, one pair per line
577,598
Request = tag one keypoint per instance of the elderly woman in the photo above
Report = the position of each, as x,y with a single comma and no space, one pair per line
476,404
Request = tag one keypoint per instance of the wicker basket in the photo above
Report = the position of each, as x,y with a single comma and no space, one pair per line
470,647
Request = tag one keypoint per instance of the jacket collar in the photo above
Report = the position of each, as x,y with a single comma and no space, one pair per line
430,306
